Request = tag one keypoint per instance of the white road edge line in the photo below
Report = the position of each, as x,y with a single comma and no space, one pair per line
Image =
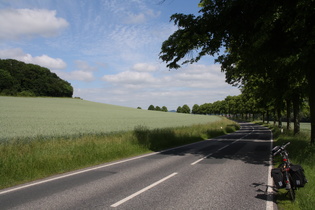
143,190
201,159
85,170
269,202
73,173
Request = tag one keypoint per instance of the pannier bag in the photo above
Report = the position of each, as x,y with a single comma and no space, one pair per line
278,177
297,175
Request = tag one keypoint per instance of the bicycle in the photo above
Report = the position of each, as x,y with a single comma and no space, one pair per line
287,175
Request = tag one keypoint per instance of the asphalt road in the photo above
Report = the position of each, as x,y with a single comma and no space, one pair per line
228,172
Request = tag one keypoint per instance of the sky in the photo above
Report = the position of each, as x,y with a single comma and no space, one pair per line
109,50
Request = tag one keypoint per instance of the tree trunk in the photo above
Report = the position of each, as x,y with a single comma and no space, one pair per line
267,116
263,117
288,114
296,113
311,81
279,118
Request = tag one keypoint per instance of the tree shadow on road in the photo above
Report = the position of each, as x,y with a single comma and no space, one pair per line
245,145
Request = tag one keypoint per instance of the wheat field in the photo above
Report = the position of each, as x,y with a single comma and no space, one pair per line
26,117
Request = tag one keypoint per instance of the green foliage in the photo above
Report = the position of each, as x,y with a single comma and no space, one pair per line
20,79
151,107
179,109
158,108
195,109
26,93
186,109
268,45
6,80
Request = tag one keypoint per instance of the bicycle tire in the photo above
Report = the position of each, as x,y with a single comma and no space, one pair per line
291,191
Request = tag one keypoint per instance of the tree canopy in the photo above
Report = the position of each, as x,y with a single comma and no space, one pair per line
158,108
20,79
269,47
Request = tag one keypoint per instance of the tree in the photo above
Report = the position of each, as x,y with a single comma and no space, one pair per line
6,80
19,78
164,109
261,38
179,109
186,109
157,108
151,107
195,109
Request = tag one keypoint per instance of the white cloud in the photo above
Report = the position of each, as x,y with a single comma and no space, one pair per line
141,17
135,18
193,84
152,13
131,12
169,97
147,76
18,23
84,66
83,72
144,67
43,60
80,75
201,76
130,79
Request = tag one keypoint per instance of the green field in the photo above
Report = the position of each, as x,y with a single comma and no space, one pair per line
306,127
50,117
41,137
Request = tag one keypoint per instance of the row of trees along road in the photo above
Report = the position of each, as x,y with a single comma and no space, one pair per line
269,48
246,107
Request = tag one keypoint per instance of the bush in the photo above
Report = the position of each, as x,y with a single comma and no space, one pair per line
26,93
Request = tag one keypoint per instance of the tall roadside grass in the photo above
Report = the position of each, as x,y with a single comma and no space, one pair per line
302,153
26,159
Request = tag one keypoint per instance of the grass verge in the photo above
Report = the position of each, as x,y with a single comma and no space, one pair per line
27,159
302,153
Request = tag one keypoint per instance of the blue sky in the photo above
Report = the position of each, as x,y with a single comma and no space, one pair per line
109,50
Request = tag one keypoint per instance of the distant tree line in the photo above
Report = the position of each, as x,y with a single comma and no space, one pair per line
20,79
184,109
247,107
157,108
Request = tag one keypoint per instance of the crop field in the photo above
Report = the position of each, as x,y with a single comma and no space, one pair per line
50,117
304,126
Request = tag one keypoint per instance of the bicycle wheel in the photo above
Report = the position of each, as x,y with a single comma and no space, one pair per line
291,191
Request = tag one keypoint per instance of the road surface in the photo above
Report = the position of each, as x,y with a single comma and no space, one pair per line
228,172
